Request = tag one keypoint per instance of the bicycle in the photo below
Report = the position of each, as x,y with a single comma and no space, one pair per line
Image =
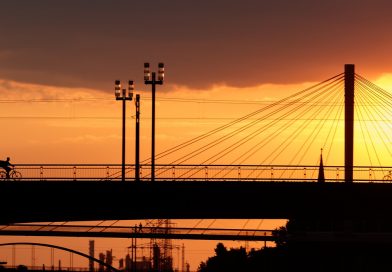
14,175
388,177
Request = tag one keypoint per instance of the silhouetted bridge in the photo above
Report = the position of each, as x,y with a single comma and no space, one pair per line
238,190
42,201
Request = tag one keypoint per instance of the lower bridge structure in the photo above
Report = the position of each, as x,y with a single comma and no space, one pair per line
137,232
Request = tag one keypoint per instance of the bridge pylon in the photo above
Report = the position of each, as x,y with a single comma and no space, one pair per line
349,75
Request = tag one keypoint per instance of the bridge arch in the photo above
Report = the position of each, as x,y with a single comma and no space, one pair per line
65,249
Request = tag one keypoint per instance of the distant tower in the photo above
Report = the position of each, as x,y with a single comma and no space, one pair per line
128,263
164,260
109,259
102,259
156,257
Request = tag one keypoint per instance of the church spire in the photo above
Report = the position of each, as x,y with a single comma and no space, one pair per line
321,177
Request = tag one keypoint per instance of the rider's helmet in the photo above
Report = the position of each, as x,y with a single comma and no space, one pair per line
8,158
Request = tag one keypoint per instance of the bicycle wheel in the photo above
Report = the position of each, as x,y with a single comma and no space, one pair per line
3,175
387,178
15,175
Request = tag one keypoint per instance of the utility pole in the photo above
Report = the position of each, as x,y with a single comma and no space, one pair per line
349,77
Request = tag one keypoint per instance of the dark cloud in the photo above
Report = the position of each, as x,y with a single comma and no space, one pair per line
91,43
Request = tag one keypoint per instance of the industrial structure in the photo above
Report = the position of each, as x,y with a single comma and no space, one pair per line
160,250
155,255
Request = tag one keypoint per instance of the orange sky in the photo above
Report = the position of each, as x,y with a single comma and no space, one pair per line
224,59
86,131
69,129
58,134
78,125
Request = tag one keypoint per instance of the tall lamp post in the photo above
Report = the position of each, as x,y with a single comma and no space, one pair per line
150,78
137,137
123,95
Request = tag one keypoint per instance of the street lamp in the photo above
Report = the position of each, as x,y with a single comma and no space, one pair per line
137,137
123,95
150,78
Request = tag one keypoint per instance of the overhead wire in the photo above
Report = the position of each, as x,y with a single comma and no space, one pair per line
334,128
235,132
208,227
305,125
364,138
314,134
284,115
166,99
241,129
254,134
375,128
375,95
283,128
266,140
293,135
378,97
243,227
278,131
195,226
366,93
321,125
384,102
336,120
216,130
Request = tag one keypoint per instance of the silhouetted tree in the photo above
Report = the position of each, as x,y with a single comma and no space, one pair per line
302,246
238,260
220,250
225,260
280,234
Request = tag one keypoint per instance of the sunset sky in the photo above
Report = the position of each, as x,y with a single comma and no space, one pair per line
56,55
223,60
203,43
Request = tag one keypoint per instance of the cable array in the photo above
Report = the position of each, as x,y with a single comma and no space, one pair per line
271,130
374,115
292,131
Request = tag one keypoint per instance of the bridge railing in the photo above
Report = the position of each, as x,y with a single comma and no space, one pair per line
112,172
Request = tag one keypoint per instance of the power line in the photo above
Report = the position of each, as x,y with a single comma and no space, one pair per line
172,118
167,99
309,95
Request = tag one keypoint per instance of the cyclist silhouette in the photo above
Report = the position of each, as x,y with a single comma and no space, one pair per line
6,166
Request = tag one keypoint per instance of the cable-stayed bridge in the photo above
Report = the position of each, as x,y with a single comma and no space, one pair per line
281,140
279,144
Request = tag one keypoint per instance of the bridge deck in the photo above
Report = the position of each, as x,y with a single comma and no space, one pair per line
39,201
